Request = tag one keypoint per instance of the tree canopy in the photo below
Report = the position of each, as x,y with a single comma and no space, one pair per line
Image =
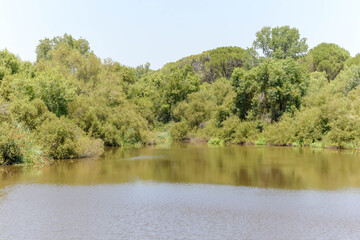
43,50
280,42
327,57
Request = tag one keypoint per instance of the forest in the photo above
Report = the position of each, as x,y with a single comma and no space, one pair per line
69,103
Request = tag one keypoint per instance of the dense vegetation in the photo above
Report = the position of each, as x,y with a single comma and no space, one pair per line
70,104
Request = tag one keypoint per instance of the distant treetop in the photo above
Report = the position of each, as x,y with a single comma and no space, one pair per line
280,42
46,45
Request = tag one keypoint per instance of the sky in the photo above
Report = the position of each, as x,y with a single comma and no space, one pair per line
158,31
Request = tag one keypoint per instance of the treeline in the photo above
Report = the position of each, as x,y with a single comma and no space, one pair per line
70,103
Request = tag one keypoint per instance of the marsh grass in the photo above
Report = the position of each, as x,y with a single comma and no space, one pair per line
17,146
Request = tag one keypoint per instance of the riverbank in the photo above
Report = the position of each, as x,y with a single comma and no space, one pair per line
261,142
162,138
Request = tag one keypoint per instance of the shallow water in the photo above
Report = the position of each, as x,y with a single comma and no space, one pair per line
186,192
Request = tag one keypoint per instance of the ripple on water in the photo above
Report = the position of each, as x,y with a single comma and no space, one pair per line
145,157
147,210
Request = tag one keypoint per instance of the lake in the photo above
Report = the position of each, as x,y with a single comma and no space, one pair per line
186,191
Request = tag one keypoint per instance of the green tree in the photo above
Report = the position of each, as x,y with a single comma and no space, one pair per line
50,86
353,60
220,62
245,89
327,57
280,42
175,85
142,70
43,50
269,90
347,80
9,64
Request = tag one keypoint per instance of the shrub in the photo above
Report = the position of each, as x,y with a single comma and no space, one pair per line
125,126
50,86
210,129
29,113
260,141
88,147
344,132
62,139
280,133
228,130
237,131
309,126
179,130
245,132
17,146
216,141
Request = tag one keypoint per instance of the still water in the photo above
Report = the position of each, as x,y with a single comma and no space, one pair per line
186,191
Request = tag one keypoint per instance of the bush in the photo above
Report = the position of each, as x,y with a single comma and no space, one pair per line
63,139
245,132
280,133
17,146
88,147
260,141
309,126
116,126
29,113
50,86
216,141
344,132
228,131
208,130
179,130
237,131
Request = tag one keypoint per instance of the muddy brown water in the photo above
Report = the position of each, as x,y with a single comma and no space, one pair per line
186,191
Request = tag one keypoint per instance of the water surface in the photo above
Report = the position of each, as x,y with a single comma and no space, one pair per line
186,192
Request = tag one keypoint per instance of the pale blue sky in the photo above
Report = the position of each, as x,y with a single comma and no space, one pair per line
134,32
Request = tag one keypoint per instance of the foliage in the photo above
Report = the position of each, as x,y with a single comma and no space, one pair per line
49,86
347,80
280,42
63,139
29,114
215,141
179,130
353,61
43,50
17,146
269,90
9,64
220,62
344,131
327,57
236,131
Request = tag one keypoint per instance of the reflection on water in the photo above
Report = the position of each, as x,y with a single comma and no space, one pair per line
186,192
275,167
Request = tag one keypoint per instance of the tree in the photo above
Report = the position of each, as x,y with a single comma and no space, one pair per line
269,90
49,86
347,80
46,45
280,42
353,60
220,62
9,64
327,57
175,85
245,89
142,70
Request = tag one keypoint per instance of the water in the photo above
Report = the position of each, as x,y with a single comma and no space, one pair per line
186,192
